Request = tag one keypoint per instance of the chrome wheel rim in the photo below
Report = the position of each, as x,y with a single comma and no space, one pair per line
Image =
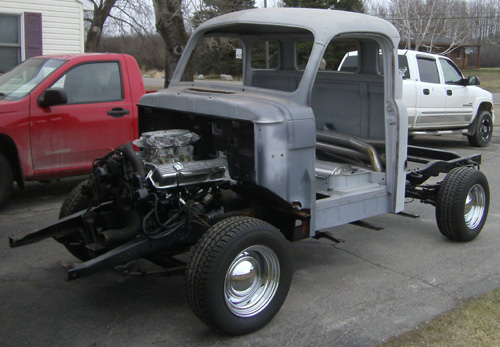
485,129
475,204
251,281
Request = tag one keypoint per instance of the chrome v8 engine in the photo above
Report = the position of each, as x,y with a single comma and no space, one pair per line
178,174
160,192
168,157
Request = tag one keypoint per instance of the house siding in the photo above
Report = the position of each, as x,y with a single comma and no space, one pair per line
62,23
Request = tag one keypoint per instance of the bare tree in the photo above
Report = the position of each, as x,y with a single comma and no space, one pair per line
456,25
170,24
460,22
132,16
206,9
118,17
486,17
423,24
102,9
417,21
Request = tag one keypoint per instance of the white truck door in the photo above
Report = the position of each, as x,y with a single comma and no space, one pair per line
431,94
409,89
459,98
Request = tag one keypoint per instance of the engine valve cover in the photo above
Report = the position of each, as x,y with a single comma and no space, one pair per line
186,173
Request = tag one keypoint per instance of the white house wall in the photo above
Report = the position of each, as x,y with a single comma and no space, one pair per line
62,23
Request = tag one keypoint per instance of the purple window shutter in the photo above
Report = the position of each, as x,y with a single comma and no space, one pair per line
33,34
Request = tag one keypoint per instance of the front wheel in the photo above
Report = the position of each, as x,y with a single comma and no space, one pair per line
462,204
239,275
75,202
484,130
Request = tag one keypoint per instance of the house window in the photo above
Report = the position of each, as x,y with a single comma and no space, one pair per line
10,41
459,54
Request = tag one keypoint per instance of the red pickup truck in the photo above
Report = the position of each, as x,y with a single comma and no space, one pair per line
59,113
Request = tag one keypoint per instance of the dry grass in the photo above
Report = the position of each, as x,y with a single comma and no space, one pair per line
474,323
153,73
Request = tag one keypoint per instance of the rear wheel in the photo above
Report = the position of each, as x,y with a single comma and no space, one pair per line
239,275
484,130
75,202
462,204
6,180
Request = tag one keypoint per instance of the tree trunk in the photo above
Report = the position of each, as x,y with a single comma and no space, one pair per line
170,25
102,8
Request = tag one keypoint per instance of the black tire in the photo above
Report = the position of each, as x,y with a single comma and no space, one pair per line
6,180
462,204
484,130
73,203
221,249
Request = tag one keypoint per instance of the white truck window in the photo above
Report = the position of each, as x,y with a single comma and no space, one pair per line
451,73
428,70
403,67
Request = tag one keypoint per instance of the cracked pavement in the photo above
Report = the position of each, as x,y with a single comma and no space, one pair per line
360,292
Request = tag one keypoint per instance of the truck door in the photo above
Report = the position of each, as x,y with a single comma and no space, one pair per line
409,89
431,94
67,138
459,98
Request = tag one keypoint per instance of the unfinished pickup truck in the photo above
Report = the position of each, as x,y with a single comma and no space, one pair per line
229,171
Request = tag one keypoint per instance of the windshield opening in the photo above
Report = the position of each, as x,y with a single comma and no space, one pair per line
248,55
216,59
21,80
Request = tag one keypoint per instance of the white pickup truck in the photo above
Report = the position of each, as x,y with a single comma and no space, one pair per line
440,100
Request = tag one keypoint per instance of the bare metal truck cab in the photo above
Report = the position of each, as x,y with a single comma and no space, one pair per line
230,170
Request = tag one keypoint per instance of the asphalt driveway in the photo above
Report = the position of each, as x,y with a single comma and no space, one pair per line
374,285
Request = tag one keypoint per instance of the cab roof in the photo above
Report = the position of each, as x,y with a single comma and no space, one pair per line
80,56
324,24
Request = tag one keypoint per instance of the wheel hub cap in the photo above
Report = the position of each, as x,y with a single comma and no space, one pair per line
251,281
474,206
485,129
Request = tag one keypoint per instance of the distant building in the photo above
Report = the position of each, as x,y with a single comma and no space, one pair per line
466,56
34,27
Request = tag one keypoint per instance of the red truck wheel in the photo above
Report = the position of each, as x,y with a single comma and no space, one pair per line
6,180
